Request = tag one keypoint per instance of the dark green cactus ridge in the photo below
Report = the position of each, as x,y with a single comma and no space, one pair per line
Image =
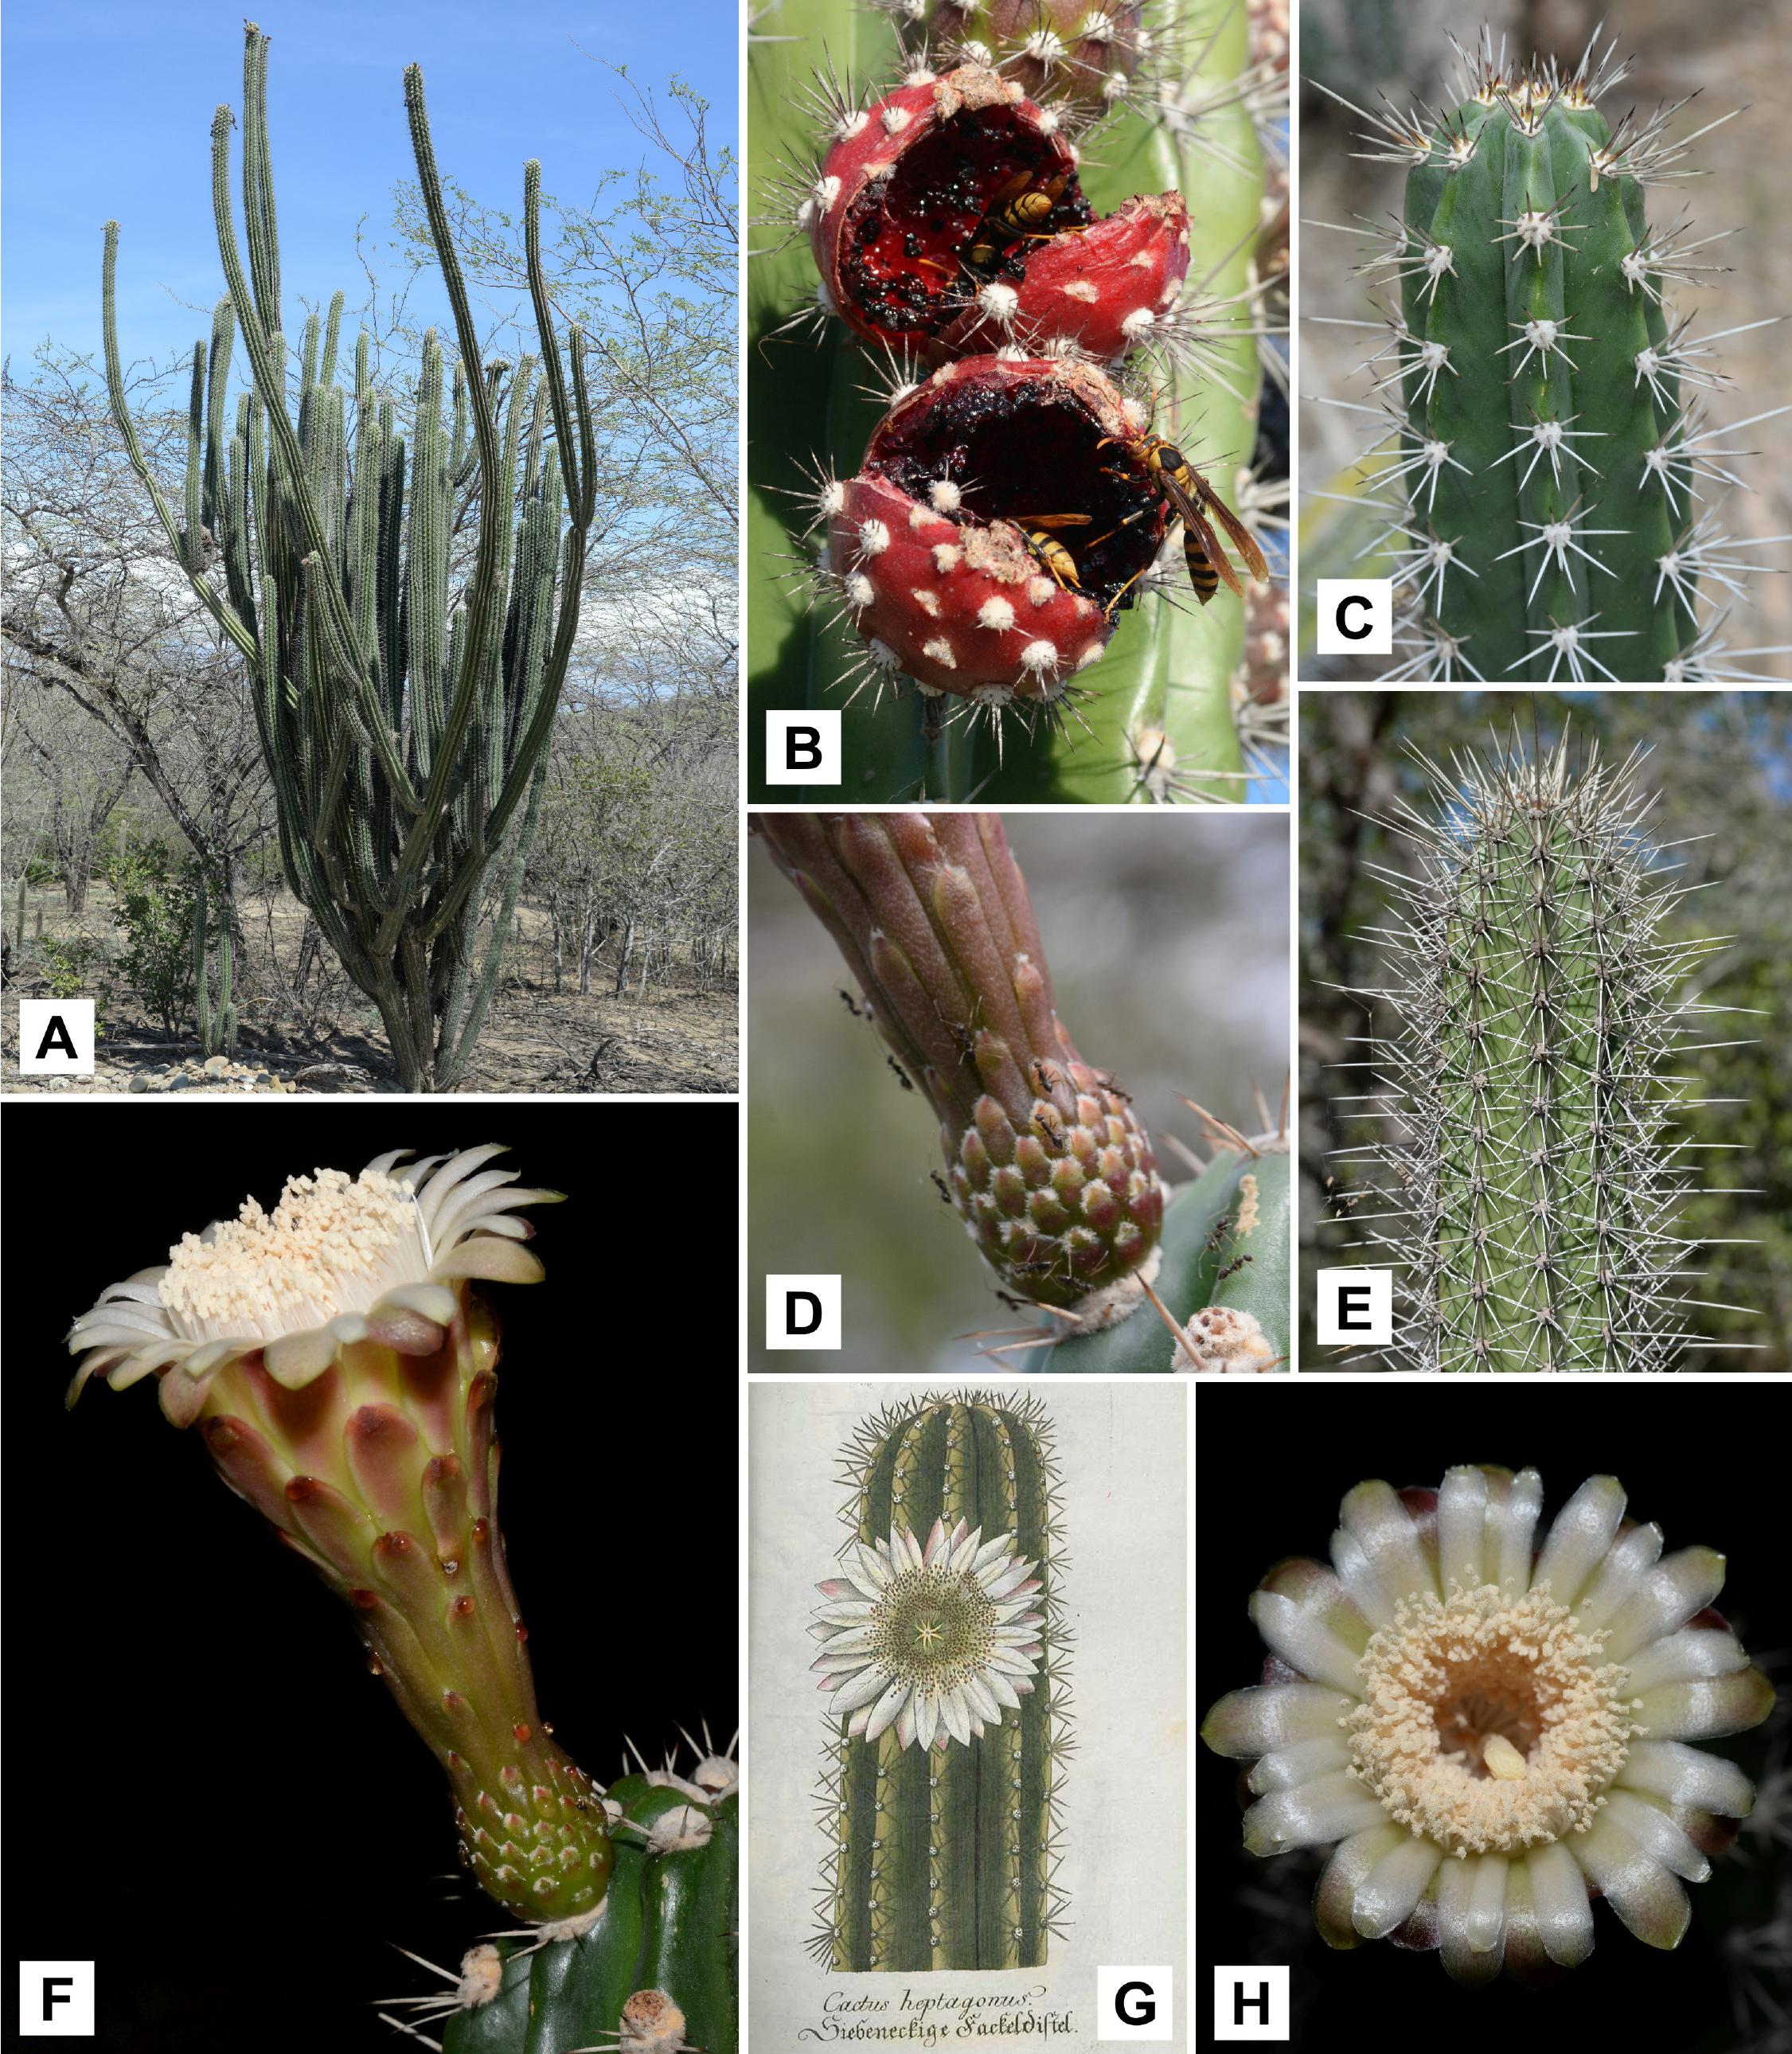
404,720
1526,1105
1553,471
654,1971
946,1856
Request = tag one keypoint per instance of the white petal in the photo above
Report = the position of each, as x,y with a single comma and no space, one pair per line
1651,1902
956,1715
1264,1716
1688,1776
1558,1896
1487,1904
1624,1569
1664,1600
867,1684
1382,1526
1362,1586
1579,1538
1462,1505
1514,1519
883,1713
926,1718
1385,1897
1302,1762
1657,1834
1695,1650
1308,1816
1303,1644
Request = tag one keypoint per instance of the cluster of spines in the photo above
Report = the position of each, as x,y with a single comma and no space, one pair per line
1528,1168
1652,490
880,1898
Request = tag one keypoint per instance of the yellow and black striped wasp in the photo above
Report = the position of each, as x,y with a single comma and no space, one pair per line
1015,212
1193,498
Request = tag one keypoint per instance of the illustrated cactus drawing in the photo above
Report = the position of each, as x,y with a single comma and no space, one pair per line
1049,1167
405,724
1525,1166
1550,467
341,1371
943,1652
954,216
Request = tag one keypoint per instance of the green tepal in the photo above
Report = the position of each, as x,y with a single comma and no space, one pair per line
1527,1100
943,1855
405,723
1554,478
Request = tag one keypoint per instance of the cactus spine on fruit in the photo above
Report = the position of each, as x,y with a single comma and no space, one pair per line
405,730
943,1855
1526,1100
1550,440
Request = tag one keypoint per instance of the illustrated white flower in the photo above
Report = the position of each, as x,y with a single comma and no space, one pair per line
1493,1735
933,1641
338,1262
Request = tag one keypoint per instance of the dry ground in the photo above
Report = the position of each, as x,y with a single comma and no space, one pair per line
679,1037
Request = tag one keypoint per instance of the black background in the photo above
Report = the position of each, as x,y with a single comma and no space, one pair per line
207,1794
1694,1457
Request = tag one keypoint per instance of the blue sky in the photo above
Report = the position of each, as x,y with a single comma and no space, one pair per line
107,112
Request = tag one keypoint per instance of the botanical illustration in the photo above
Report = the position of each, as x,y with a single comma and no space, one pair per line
943,1651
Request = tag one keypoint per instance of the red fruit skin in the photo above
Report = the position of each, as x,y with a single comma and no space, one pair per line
964,606
1090,283
1134,261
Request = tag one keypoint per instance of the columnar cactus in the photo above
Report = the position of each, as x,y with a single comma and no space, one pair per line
217,1025
341,1372
941,1649
405,732
1526,1097
1551,465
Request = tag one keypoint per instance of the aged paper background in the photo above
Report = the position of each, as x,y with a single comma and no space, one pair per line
1121,1449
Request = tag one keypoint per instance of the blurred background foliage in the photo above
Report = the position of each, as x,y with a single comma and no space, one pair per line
1168,937
1722,764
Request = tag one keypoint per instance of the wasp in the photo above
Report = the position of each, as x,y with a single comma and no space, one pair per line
1193,498
1014,213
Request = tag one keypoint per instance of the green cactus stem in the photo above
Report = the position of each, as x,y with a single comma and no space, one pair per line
342,1374
942,1813
1551,444
1526,1099
654,1974
218,1027
1050,1170
405,729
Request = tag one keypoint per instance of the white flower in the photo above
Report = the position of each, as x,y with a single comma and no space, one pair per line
933,1641
1490,1734
339,1261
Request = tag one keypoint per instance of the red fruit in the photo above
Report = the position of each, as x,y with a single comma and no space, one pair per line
929,546
913,231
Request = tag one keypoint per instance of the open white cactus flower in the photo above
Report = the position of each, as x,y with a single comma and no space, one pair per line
339,1261
1491,1733
935,1640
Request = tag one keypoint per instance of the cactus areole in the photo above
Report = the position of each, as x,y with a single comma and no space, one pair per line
947,217
341,1372
997,527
